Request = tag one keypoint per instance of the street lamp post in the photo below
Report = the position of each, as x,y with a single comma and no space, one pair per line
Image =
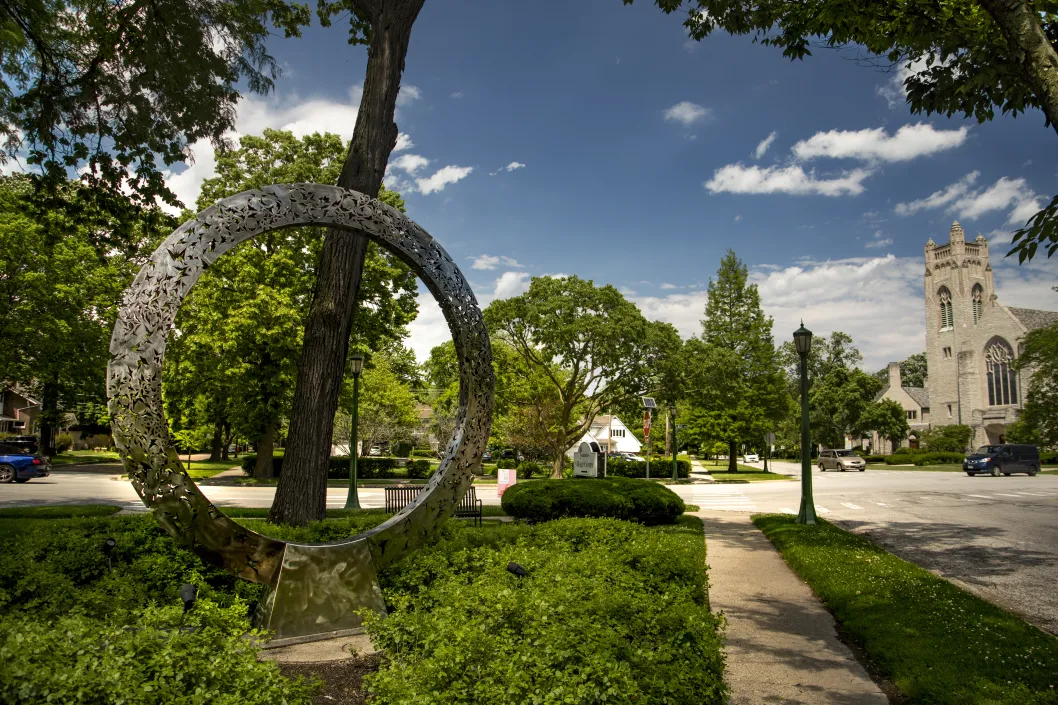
357,363
672,415
803,342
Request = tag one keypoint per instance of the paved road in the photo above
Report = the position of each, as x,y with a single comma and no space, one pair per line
995,536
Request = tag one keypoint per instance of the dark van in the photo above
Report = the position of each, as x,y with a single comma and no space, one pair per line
1006,458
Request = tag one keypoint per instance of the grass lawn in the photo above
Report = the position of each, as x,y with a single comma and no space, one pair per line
937,643
84,457
66,511
746,473
204,468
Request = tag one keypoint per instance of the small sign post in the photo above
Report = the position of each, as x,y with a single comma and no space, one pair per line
646,437
505,478
585,462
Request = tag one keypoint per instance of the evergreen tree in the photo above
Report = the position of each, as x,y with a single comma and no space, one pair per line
734,372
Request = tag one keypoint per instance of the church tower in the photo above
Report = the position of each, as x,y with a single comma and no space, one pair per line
960,299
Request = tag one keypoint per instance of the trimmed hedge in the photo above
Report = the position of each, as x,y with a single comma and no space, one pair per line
924,459
506,464
424,454
873,458
527,470
367,468
417,469
616,497
1049,457
659,467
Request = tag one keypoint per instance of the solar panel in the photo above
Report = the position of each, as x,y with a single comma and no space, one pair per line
648,402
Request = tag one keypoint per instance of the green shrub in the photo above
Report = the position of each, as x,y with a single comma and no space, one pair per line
424,454
506,463
418,469
874,459
249,462
610,612
938,458
659,467
402,449
908,450
63,442
616,497
1049,457
367,468
527,470
79,660
953,438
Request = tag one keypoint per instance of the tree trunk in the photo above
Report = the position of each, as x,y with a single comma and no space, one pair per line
1020,25
227,441
732,463
263,469
558,464
49,417
668,435
302,492
218,439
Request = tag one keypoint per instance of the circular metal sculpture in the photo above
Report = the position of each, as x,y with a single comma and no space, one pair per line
313,588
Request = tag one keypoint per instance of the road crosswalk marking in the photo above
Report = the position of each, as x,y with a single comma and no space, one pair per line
786,510
1002,494
822,510
850,505
880,504
980,496
722,498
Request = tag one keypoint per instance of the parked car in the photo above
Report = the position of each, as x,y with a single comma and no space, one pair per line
840,460
28,443
631,456
374,450
751,458
21,466
512,455
1006,458
486,456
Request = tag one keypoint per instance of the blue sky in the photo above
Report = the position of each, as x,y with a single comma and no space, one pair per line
636,159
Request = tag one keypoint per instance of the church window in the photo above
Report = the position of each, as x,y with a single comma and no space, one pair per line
912,414
949,411
979,309
1001,379
947,317
947,353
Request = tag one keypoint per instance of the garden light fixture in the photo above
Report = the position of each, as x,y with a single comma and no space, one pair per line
356,364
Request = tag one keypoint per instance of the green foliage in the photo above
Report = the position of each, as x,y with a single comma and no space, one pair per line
913,372
924,458
1040,412
368,467
735,381
888,419
954,438
918,628
659,467
65,511
417,469
387,406
506,463
90,84
616,497
610,612
527,469
581,348
63,442
79,660
331,529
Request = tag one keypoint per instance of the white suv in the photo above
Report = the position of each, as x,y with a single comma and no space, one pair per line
840,460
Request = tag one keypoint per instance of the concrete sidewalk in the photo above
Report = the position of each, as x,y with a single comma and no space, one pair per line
782,646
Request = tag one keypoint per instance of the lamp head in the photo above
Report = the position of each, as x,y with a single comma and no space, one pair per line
802,339
357,363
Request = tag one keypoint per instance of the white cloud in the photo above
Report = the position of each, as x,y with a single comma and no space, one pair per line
510,167
407,94
879,241
939,198
764,144
494,261
625,291
667,285
403,142
441,178
409,163
687,112
456,94
736,178
909,142
738,218
1004,193
510,284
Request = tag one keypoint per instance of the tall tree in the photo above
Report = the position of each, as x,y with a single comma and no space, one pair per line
592,345
913,371
386,407
111,88
737,382
1039,358
385,25
970,56
58,301
242,324
888,419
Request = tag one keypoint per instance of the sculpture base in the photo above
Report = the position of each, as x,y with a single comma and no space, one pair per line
319,591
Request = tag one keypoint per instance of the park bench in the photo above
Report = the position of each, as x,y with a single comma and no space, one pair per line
400,496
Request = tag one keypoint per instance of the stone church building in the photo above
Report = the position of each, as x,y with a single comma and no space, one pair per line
971,340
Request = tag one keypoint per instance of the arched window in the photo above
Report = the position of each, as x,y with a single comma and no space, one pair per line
1001,379
947,317
977,293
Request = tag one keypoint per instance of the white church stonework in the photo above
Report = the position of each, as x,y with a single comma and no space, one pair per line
971,339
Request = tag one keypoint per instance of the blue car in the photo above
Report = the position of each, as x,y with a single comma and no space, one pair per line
21,466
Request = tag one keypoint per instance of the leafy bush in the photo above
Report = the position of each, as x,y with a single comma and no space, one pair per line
954,438
1049,457
63,442
527,470
908,450
367,468
939,458
424,454
659,467
874,459
616,497
506,463
418,469
610,612
80,660
402,449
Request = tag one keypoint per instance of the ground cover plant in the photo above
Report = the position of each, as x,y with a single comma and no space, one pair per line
609,612
617,497
938,644
747,473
